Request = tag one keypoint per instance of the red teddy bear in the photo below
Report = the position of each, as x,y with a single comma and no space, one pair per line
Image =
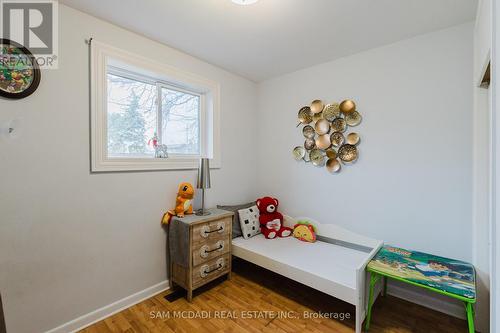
271,221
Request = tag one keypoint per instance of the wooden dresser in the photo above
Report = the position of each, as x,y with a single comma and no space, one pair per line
199,249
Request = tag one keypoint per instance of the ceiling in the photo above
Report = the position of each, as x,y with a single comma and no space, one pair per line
274,37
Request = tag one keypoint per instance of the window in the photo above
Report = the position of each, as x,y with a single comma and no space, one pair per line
180,121
132,117
148,116
137,121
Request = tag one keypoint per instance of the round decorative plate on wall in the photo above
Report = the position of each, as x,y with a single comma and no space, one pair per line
19,71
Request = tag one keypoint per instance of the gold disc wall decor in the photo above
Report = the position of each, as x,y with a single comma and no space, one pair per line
308,132
317,106
353,118
347,106
309,144
348,153
299,153
317,158
323,142
337,139
333,165
305,115
331,111
339,125
353,139
322,126
323,130
331,153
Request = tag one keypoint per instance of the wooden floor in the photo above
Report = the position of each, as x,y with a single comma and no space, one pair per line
257,300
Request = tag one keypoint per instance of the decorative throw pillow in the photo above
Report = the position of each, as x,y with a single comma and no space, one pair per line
236,217
249,221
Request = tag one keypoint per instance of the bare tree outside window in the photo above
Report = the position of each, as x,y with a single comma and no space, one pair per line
132,119
181,122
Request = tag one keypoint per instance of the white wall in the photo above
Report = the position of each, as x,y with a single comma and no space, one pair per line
495,226
482,35
71,241
481,164
412,183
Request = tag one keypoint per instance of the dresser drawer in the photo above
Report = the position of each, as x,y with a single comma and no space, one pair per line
210,270
211,230
204,251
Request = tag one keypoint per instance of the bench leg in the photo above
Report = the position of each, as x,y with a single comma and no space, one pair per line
374,277
470,316
385,286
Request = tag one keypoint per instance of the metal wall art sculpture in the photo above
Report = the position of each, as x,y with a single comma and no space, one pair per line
325,141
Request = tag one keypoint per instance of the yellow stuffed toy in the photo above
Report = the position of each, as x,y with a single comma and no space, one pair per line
183,203
304,231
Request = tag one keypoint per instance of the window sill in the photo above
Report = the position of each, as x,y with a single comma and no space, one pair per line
149,164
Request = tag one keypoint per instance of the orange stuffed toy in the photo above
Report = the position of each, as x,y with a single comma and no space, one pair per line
183,203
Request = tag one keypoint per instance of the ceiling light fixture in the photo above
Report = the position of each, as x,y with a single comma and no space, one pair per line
244,2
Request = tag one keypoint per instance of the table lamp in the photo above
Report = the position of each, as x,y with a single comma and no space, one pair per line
203,183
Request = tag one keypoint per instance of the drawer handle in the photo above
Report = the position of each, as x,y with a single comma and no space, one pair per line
205,269
216,230
216,249
205,250
205,230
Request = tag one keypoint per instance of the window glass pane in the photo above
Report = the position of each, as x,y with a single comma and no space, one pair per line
180,122
131,117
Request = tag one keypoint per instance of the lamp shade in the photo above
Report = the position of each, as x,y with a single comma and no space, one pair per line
203,174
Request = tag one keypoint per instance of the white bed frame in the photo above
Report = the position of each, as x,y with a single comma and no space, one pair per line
353,292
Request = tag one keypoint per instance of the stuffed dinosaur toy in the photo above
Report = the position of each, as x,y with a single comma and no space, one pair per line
183,203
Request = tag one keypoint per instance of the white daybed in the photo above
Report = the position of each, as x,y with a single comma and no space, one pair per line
335,264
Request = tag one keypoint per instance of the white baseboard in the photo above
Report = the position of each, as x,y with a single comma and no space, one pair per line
110,309
448,307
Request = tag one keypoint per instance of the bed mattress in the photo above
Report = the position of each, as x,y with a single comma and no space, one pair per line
327,267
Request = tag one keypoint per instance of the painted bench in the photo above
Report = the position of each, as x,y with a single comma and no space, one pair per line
453,278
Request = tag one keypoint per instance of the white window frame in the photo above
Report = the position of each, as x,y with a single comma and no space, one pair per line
102,57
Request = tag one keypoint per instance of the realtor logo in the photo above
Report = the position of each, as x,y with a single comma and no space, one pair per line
32,24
